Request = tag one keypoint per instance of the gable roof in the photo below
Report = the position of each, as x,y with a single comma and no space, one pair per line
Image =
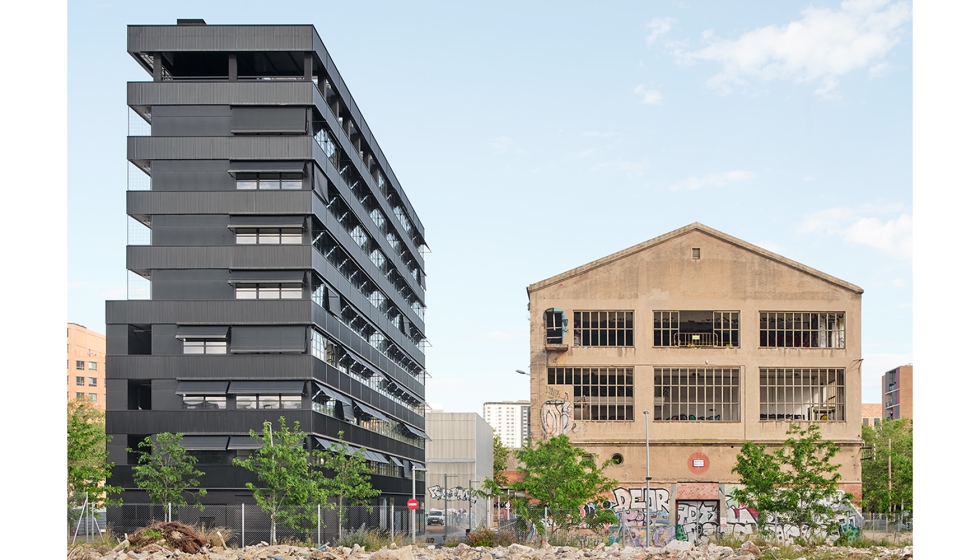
585,268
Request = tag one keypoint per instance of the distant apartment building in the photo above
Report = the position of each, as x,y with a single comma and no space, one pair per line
870,414
896,393
511,420
86,365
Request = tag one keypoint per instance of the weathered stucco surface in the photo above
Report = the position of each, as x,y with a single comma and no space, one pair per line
661,274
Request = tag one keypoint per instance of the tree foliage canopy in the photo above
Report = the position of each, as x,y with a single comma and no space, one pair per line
876,496
797,482
291,487
561,477
500,455
88,468
166,471
351,480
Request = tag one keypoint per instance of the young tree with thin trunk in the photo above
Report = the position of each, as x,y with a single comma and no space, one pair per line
561,477
88,468
797,482
166,471
351,480
290,487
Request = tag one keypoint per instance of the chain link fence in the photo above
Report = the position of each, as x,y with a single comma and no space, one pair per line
247,524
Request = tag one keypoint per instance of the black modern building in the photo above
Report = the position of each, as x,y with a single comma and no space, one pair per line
275,262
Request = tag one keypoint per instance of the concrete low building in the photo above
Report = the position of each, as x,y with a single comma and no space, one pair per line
714,342
459,457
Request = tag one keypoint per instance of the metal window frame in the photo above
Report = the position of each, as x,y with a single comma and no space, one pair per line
699,394
791,395
601,328
595,393
803,329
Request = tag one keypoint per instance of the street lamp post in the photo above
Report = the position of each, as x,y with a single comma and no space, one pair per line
646,429
414,512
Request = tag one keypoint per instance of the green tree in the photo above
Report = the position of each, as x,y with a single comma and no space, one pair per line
351,480
892,439
88,468
291,487
760,476
500,455
561,477
166,471
797,482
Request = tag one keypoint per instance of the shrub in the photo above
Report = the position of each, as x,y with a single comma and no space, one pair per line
371,539
481,536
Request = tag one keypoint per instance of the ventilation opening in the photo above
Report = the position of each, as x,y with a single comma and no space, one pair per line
617,459
696,253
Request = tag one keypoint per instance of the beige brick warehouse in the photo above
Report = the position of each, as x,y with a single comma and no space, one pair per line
721,342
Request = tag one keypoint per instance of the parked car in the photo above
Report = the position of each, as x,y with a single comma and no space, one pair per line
435,517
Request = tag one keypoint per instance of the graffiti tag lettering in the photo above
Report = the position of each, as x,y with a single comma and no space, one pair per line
452,494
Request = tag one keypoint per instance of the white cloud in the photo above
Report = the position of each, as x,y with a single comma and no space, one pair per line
657,27
712,180
821,46
500,144
892,236
898,283
879,70
650,96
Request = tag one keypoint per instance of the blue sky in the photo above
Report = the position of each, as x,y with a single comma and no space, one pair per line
532,139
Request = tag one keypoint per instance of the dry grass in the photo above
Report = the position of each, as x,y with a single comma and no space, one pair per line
217,536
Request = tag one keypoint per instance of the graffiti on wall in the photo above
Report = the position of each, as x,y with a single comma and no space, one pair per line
630,505
699,520
741,520
556,418
452,494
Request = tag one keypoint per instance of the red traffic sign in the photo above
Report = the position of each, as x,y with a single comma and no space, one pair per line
413,504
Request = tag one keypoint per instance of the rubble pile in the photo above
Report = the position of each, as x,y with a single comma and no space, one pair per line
675,550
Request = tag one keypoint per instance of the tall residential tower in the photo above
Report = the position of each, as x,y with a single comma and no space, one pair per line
275,262
511,420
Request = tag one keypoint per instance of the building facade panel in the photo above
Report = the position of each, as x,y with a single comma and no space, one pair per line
221,93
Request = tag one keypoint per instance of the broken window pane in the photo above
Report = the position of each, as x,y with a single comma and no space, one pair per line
801,394
601,393
801,329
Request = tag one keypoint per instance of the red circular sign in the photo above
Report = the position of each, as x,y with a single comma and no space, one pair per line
413,504
698,463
